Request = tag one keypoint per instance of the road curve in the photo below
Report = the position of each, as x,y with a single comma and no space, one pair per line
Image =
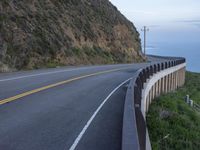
84,111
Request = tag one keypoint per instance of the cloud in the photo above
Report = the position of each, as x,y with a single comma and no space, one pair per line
140,12
189,20
154,26
197,25
193,22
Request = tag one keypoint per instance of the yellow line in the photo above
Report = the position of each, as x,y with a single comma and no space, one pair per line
54,85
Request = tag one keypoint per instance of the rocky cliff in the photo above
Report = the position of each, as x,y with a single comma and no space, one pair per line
46,33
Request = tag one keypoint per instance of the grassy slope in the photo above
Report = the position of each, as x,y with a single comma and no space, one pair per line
169,114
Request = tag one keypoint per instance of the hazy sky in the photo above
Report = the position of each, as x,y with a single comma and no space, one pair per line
165,18
174,26
160,12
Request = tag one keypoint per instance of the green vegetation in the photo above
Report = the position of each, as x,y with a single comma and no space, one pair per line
172,123
47,33
93,54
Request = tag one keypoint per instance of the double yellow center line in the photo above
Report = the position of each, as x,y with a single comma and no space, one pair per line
13,98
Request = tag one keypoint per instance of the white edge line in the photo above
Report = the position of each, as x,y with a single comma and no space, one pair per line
45,73
74,145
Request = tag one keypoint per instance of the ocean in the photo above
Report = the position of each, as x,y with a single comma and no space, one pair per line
190,52
176,42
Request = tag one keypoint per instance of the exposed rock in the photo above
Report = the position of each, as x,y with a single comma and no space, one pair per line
35,33
164,114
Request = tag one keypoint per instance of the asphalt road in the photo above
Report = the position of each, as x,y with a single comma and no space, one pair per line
65,108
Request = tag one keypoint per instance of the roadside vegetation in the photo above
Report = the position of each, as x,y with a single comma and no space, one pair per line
172,123
50,33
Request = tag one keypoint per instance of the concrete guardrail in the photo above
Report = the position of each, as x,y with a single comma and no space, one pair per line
147,84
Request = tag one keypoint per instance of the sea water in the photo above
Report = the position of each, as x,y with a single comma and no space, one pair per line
191,52
181,42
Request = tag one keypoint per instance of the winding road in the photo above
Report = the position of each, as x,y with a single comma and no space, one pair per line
64,108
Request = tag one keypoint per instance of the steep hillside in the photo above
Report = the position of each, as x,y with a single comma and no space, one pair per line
40,33
172,123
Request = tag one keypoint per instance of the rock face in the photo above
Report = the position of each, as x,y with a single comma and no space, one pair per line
45,33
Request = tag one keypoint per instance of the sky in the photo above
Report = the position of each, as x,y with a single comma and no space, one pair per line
174,26
160,12
164,18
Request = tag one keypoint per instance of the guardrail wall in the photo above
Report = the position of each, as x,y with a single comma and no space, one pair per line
148,83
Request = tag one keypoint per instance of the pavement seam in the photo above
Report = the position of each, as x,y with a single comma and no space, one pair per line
39,74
